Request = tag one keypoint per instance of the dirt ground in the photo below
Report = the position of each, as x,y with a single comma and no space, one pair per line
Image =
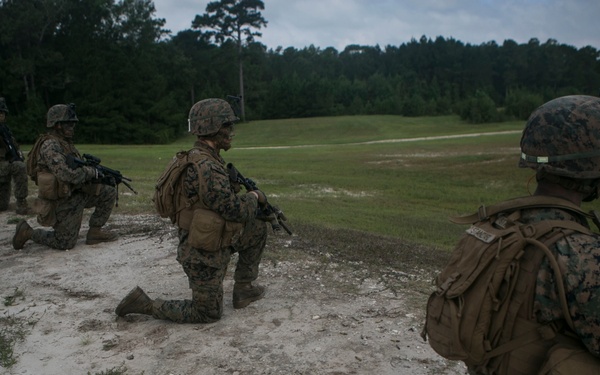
322,314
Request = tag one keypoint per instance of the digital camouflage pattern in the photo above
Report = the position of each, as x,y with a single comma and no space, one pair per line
206,270
69,210
562,136
578,257
11,172
562,140
207,116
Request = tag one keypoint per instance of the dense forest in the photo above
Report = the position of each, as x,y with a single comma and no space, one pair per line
133,82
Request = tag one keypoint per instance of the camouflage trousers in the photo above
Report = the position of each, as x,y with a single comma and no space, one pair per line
69,215
12,174
206,271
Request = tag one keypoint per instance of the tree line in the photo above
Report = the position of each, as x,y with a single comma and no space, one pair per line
133,82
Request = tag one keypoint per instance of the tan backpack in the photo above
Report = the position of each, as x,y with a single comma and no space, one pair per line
168,198
32,157
168,187
489,282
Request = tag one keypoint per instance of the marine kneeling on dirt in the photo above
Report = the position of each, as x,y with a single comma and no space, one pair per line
64,191
12,167
213,222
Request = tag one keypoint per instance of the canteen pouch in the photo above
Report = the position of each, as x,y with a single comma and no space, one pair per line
206,230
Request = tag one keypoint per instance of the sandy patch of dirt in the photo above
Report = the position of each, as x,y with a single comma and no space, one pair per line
323,313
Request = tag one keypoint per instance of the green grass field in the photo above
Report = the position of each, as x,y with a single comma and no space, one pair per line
349,173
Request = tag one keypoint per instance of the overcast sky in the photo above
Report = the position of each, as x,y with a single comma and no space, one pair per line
339,23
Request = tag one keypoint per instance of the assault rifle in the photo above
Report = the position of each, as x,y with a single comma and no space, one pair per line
106,175
269,213
14,153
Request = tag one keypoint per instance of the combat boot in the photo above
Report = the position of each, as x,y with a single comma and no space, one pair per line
22,208
135,302
97,235
246,293
23,234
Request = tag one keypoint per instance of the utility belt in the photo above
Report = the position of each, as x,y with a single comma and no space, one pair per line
207,229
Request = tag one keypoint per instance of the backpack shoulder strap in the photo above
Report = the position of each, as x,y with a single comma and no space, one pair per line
568,227
534,201
540,236
33,155
185,207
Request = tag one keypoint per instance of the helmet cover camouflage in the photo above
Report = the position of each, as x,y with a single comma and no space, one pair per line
207,116
3,106
562,137
61,113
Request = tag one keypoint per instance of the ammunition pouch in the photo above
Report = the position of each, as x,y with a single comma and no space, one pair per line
209,231
51,188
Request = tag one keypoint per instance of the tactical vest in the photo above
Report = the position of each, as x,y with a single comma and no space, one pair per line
186,206
207,229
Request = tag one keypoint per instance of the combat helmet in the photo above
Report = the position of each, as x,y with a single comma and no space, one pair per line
562,138
61,113
3,106
207,116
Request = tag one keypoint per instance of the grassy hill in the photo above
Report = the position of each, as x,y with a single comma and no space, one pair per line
381,175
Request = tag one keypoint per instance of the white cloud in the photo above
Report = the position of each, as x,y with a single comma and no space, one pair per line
338,23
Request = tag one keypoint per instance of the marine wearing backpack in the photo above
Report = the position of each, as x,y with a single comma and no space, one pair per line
208,230
214,220
168,188
497,306
484,292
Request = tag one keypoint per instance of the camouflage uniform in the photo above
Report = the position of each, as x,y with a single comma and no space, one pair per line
64,190
206,185
11,171
84,194
206,270
578,256
560,142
